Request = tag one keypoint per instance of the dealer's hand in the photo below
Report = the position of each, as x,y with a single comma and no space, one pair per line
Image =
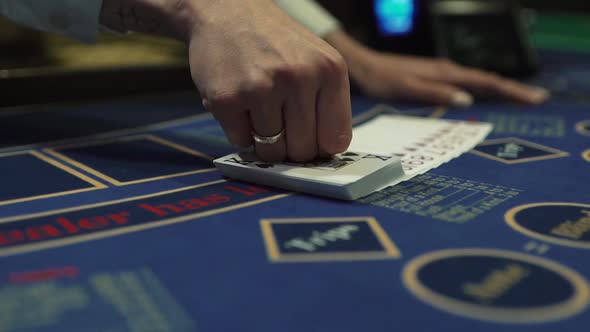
426,80
259,72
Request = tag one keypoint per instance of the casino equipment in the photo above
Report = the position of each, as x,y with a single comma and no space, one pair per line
399,26
348,176
490,35
483,34
394,18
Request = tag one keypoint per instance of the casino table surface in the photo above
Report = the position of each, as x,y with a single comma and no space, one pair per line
113,218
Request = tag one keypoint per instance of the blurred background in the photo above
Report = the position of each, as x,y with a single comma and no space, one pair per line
503,36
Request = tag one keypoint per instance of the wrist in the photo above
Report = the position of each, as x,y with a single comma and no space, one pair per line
356,55
311,15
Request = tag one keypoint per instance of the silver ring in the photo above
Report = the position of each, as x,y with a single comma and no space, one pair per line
267,139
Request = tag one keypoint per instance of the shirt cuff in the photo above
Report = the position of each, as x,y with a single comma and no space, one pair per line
311,15
78,19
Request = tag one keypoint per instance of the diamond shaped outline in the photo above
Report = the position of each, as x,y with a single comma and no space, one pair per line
94,184
274,254
54,151
555,153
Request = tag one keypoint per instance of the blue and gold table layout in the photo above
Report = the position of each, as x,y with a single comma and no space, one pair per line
113,218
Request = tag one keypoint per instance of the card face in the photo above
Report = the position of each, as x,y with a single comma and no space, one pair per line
421,143
349,175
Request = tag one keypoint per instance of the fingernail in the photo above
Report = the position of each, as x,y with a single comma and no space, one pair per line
462,99
539,95
340,144
343,142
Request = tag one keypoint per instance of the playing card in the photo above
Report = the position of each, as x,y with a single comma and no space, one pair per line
395,148
349,175
421,143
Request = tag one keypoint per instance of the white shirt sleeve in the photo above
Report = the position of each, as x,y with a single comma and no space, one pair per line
311,15
74,18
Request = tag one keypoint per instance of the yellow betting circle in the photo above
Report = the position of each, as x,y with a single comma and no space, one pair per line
513,223
581,127
586,155
567,308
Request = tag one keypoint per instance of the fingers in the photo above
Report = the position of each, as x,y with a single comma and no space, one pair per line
234,121
502,87
300,125
334,115
253,107
266,117
489,83
308,101
439,93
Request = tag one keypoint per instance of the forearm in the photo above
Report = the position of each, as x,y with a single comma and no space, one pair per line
169,18
81,19
322,23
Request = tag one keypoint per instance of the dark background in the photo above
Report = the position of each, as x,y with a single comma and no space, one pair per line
360,22
570,5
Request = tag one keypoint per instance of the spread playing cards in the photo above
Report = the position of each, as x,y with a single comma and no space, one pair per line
388,149
421,143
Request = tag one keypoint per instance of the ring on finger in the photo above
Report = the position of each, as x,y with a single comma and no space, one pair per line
266,140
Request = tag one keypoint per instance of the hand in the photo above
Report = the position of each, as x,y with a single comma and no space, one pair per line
259,71
426,80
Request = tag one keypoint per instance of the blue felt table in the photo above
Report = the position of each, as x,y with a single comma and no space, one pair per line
113,218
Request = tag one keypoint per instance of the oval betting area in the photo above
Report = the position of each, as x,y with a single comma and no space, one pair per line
566,224
496,285
583,128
